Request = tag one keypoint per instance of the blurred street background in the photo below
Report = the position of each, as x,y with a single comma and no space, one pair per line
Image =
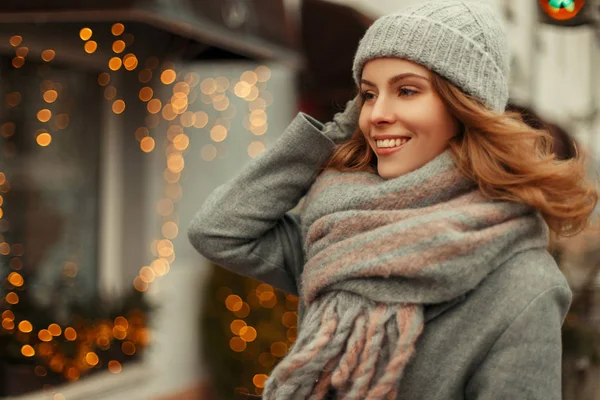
118,118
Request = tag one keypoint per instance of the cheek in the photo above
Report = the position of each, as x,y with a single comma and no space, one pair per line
443,122
363,122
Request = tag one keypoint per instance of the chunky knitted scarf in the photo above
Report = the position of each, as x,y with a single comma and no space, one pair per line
377,252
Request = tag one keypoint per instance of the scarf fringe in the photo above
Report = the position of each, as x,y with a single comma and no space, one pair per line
341,346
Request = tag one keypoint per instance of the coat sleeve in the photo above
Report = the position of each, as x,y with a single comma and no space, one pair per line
525,361
246,225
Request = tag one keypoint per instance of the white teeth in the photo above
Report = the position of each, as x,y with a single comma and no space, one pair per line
392,142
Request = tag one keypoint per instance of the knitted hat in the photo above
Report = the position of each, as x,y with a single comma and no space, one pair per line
461,40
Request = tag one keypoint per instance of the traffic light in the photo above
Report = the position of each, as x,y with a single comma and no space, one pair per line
566,12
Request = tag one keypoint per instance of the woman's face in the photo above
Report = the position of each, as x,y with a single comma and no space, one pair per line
403,119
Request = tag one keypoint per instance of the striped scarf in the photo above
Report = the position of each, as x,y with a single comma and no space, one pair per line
377,252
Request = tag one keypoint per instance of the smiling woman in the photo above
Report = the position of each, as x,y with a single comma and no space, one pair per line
421,243
401,104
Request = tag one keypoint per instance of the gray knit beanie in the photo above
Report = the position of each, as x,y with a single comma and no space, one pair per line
461,40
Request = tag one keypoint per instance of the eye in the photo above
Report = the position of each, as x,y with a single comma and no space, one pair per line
403,91
367,96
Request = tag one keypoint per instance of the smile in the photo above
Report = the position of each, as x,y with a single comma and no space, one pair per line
387,147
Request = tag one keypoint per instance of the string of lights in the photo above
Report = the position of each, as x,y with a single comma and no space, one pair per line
184,124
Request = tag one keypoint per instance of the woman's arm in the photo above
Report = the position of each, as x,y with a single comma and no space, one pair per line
525,361
244,225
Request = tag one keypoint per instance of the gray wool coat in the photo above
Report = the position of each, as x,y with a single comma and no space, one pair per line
502,340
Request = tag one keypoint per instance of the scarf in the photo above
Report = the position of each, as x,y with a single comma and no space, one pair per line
377,251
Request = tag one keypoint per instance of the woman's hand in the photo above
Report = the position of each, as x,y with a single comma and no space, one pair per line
345,123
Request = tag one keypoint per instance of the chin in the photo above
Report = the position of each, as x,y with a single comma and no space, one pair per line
390,173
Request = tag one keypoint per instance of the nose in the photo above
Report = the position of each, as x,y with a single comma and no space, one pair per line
383,112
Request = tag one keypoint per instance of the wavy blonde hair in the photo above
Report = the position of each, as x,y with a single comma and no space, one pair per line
507,158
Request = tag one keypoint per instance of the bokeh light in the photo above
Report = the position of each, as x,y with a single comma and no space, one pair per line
90,47
48,55
85,33
117,29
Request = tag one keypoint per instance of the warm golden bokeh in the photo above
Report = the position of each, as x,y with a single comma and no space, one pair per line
85,33
44,139
236,326
233,302
208,86
8,324
259,380
266,360
221,103
118,46
242,89
289,319
25,326
165,207
48,55
9,315
263,73
44,115
50,96
147,274
218,133
15,263
15,279
168,112
175,162
118,106
103,78
248,333
44,335
243,312
18,62
72,374
170,230
255,148
181,142
279,349
201,119
54,329
147,144
27,351
154,106
237,344
70,334
115,63
90,47
168,76
22,52
141,133
13,99
130,62
92,359
249,77
128,348
114,367
15,40
8,129
254,93
146,93
139,284
117,29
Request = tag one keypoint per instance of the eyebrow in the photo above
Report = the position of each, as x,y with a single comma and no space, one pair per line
396,78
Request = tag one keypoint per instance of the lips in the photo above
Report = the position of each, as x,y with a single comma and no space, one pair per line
385,151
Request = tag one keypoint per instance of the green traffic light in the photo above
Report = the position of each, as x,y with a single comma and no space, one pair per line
556,5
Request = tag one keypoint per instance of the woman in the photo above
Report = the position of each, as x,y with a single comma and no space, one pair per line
419,253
